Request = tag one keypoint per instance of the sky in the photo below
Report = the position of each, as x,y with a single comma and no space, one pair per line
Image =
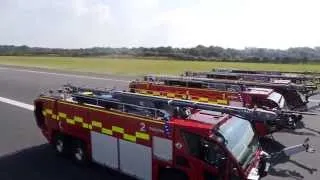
277,24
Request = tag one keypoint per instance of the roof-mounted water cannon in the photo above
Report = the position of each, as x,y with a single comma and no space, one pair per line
97,91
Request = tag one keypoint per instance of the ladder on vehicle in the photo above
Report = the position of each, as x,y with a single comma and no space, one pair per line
206,82
260,77
117,100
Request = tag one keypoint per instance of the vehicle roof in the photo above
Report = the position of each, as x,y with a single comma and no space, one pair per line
211,118
258,91
203,119
208,117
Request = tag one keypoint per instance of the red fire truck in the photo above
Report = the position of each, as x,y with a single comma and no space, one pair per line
296,96
185,88
262,76
225,94
152,137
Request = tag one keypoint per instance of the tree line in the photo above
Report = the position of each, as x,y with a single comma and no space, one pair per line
200,52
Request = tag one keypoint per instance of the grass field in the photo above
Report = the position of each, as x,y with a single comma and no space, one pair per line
139,66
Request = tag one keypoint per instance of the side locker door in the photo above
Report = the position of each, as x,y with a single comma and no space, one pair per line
104,150
104,147
135,159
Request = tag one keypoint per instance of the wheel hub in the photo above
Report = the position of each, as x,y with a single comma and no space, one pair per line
79,154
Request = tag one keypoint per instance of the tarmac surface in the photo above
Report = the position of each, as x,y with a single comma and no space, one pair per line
24,153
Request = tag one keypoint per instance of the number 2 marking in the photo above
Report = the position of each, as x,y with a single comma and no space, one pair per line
143,126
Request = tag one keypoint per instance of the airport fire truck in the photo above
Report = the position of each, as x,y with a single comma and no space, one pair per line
186,88
225,94
264,76
296,96
151,137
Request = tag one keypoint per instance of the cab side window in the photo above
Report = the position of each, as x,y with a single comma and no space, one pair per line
193,142
203,149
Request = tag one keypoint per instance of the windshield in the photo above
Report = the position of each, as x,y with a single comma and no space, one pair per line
277,98
240,139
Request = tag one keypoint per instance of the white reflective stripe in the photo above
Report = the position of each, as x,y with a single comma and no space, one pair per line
17,103
65,75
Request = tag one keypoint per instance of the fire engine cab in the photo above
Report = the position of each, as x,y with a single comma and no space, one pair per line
153,137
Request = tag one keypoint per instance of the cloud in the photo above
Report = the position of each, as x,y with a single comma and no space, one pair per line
182,23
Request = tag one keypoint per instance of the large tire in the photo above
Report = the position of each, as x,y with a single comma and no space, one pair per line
60,145
171,174
79,152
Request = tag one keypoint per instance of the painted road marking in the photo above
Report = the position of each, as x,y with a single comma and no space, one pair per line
17,103
65,75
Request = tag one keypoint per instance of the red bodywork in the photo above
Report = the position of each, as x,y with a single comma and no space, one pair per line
79,120
240,99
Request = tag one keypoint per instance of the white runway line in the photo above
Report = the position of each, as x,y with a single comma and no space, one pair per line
65,75
17,103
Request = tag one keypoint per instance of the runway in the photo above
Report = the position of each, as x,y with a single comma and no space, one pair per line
25,154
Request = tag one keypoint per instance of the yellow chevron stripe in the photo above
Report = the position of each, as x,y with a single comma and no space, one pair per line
78,119
48,111
221,101
96,124
70,121
143,136
106,131
54,116
117,129
62,115
143,92
212,102
86,126
170,95
129,137
156,93
203,99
